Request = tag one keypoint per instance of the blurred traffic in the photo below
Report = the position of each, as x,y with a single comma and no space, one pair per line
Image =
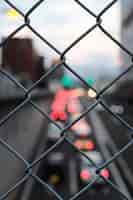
74,147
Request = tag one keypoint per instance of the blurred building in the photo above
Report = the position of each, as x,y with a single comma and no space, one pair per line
126,30
20,58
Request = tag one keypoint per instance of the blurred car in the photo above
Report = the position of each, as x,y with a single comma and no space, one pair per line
88,169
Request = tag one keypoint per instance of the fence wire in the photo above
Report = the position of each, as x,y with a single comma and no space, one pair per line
64,131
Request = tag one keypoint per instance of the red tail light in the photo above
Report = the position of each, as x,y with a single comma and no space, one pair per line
62,116
85,175
54,115
89,145
104,173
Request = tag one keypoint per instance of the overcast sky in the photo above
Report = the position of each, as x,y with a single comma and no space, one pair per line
62,21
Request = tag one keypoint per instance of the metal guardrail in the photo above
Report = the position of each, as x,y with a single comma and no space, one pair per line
11,152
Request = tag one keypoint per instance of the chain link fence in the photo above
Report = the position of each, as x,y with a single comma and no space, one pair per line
29,173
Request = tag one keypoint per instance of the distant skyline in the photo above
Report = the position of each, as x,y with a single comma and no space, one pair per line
62,22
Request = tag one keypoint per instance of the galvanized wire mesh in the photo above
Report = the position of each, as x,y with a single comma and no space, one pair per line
63,132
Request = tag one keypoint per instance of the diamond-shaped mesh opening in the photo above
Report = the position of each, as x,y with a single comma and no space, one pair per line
55,176
61,13
122,104
30,131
